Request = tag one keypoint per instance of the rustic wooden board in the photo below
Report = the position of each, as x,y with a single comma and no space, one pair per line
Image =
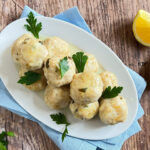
109,20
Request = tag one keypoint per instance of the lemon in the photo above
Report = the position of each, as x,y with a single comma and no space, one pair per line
141,27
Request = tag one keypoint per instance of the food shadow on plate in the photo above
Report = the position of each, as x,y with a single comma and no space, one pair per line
6,60
94,123
38,100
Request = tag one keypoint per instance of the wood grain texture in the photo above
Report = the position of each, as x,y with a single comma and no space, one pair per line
110,21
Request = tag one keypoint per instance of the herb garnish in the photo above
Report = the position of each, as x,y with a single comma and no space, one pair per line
63,64
32,25
83,90
64,133
111,93
3,140
61,119
80,60
29,78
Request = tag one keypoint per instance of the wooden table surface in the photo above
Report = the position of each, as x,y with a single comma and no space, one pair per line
110,21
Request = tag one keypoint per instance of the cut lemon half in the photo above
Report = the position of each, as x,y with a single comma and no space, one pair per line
141,27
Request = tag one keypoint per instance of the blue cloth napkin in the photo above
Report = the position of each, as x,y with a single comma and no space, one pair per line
70,143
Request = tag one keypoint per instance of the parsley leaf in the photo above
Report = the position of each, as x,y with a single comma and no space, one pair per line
3,140
61,119
80,60
32,25
2,146
29,78
111,93
64,133
63,64
10,133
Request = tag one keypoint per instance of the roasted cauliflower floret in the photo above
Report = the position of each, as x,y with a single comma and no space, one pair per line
29,52
84,111
57,47
86,87
109,79
112,111
52,71
57,98
37,86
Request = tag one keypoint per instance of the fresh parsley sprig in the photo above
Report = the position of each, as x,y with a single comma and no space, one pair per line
111,92
61,119
80,60
29,78
32,25
3,140
63,64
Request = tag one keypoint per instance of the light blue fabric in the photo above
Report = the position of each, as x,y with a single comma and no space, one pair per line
73,16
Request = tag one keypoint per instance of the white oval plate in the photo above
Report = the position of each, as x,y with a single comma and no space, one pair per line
33,102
